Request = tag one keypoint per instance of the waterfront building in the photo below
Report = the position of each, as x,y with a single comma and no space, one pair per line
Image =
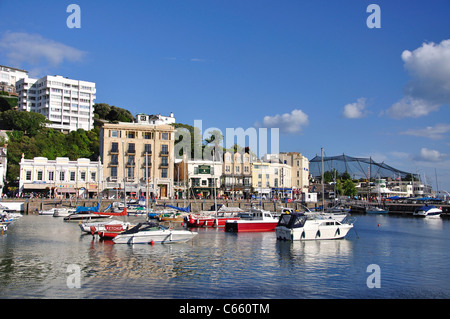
61,177
271,179
8,78
67,103
204,178
236,175
299,173
137,154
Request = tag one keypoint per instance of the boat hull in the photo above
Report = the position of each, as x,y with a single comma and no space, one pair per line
161,236
83,217
313,233
250,226
209,221
428,212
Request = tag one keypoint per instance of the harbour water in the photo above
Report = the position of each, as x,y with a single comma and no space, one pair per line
39,253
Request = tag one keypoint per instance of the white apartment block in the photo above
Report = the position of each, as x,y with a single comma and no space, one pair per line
61,177
67,103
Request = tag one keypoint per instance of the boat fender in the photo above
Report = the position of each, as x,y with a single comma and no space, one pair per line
152,242
338,232
92,230
303,234
318,234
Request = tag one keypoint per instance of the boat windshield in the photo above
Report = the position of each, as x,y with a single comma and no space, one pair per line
142,226
292,220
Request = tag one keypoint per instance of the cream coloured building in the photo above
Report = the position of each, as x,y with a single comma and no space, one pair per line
271,179
60,177
134,153
236,174
299,172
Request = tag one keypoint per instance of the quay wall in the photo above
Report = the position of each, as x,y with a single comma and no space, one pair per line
33,206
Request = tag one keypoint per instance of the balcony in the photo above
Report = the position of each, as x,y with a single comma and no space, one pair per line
131,151
164,153
114,151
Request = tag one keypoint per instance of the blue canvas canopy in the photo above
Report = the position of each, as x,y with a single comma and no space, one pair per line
88,209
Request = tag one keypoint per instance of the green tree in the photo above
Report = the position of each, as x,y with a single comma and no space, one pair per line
349,188
28,122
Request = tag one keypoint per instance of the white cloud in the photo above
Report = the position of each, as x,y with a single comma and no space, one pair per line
288,122
35,50
355,110
431,155
434,132
429,87
411,107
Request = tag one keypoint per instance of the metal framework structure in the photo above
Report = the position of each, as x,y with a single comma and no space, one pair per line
357,167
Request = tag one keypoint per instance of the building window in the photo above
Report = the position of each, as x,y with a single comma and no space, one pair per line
147,135
164,161
114,147
164,173
165,149
83,176
165,136
72,176
114,159
114,133
51,175
39,175
28,175
130,172
93,176
114,172
131,148
148,148
62,176
131,134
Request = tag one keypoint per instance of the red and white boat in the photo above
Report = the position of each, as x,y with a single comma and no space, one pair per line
212,218
110,231
257,220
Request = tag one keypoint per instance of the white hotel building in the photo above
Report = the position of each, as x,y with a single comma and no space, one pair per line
61,177
67,103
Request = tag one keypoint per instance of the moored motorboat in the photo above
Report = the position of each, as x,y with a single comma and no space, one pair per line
256,220
376,210
213,218
298,226
94,227
63,212
428,211
76,217
149,232
48,212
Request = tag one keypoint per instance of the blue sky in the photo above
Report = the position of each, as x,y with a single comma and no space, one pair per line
312,68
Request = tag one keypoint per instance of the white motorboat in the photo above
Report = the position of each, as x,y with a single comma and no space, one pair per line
298,226
76,217
149,232
63,212
48,212
428,211
376,210
92,216
338,215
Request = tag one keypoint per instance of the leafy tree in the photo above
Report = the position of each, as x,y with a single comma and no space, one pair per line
28,122
349,188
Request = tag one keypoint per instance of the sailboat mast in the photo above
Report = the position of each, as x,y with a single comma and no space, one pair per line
323,187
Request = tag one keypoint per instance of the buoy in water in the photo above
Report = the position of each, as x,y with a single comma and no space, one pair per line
378,225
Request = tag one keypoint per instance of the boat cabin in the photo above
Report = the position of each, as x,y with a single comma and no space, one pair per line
295,220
